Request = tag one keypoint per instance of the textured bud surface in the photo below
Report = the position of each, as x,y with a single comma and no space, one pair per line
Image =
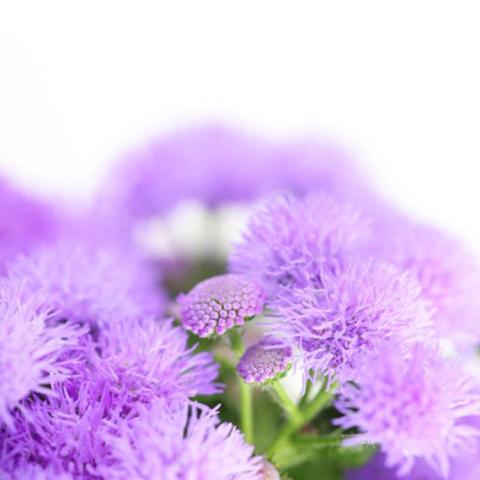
264,361
220,303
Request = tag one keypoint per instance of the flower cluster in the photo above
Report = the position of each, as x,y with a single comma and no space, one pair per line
371,313
183,441
359,321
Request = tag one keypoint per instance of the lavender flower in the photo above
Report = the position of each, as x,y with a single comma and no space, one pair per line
376,468
353,311
152,360
31,347
464,467
215,165
88,284
134,363
448,274
187,441
290,239
266,360
416,408
28,471
25,222
220,303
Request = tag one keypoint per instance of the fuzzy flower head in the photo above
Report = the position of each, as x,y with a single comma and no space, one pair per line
24,222
31,347
186,441
220,303
31,471
265,361
290,238
132,365
86,284
448,274
178,167
417,408
353,311
150,360
376,469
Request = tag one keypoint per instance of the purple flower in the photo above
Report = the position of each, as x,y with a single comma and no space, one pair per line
131,364
186,441
215,164
448,274
28,471
376,469
465,467
31,347
150,360
354,310
88,284
290,239
220,303
24,222
416,408
266,360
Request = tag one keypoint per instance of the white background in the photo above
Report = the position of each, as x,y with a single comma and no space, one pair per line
397,82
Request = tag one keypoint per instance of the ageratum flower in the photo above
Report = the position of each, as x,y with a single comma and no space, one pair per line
289,239
85,284
131,364
353,311
214,165
29,471
416,408
24,222
220,303
150,360
266,360
187,441
376,469
31,347
62,433
448,274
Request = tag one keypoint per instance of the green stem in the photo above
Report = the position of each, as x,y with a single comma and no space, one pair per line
236,342
246,404
287,403
293,424
246,411
306,394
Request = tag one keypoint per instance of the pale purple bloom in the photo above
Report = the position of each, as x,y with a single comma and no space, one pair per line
178,443
151,359
220,303
289,239
84,283
131,364
25,221
28,471
448,273
464,467
31,347
264,361
376,469
353,310
215,164
416,408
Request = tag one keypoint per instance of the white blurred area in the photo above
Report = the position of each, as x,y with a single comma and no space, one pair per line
398,83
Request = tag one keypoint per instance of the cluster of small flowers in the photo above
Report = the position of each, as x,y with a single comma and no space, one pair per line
369,301
97,382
